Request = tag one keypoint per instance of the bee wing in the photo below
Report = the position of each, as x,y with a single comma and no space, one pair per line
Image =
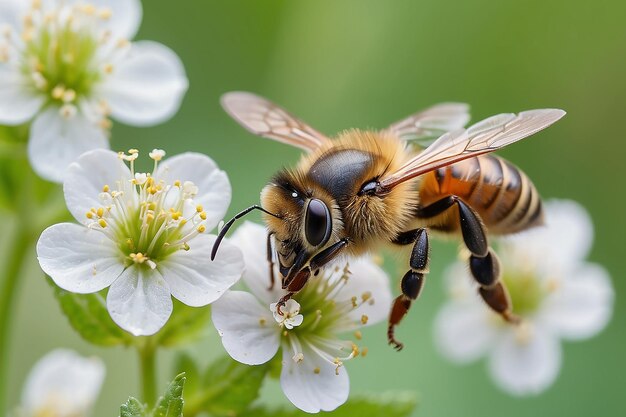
432,122
483,137
264,118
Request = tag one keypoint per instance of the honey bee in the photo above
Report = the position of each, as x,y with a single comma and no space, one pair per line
365,189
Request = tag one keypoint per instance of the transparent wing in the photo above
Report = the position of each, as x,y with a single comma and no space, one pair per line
483,137
432,122
264,118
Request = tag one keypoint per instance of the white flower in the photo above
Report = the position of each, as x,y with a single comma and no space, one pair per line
557,294
68,66
62,384
144,239
313,377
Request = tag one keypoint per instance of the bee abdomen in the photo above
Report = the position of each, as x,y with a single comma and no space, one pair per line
503,196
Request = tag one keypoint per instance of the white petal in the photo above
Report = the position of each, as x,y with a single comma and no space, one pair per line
56,142
85,178
125,17
464,330
12,12
367,277
139,301
247,328
310,391
565,239
64,384
78,259
18,102
214,190
251,238
582,305
196,280
526,368
147,86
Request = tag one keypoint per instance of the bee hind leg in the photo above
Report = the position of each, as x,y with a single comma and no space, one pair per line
412,282
483,262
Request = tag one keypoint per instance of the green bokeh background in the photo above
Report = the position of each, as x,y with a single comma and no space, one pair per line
341,64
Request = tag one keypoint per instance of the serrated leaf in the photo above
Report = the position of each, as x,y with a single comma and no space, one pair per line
132,408
185,363
171,403
185,325
387,405
229,388
88,315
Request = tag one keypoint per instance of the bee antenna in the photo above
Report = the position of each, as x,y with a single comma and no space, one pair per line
227,226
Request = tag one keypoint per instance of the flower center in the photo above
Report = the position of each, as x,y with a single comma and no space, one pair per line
148,218
526,291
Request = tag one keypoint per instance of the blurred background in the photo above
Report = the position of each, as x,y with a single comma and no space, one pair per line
367,63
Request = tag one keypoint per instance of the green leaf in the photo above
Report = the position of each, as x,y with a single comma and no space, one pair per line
186,324
387,405
88,315
229,388
132,408
171,404
185,363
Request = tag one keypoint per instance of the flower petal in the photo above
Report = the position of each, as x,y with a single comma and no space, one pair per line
125,16
63,382
367,277
251,239
464,330
565,240
55,142
313,384
196,280
524,368
582,306
85,178
247,328
214,190
18,103
139,301
147,86
12,13
78,259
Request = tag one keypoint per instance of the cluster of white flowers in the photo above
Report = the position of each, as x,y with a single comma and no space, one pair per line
142,234
337,302
62,384
555,291
68,66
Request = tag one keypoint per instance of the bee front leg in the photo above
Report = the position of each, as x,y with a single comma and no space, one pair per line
412,282
270,260
483,262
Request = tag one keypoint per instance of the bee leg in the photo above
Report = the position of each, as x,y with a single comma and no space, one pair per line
270,260
412,282
483,262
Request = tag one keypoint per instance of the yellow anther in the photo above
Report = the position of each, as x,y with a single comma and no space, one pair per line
355,350
285,333
149,217
88,9
203,215
183,222
262,322
317,370
338,363
199,208
102,223
151,205
57,92
353,300
177,183
186,246
176,215
366,296
123,43
107,68
201,228
364,352
138,257
358,335
93,209
105,13
364,319
153,190
89,215
105,189
100,211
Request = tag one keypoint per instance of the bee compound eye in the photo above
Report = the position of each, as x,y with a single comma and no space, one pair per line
317,222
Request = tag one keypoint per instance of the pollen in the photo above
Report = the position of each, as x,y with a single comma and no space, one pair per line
354,303
177,183
262,322
366,296
203,215
105,189
201,228
364,319
364,352
358,335
89,215
138,257
317,370
102,223
199,208
107,68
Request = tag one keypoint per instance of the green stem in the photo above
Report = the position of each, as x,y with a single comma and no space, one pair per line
147,360
20,245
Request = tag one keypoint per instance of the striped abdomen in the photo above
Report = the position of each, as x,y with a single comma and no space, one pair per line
498,191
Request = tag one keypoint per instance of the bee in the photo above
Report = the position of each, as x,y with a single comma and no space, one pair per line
365,189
